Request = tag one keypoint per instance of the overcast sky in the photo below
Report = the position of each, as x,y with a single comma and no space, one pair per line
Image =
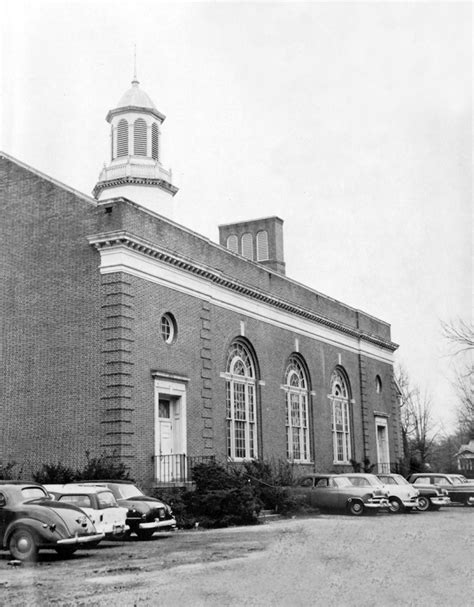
350,121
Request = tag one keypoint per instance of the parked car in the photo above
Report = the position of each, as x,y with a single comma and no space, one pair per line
432,497
403,497
458,490
98,503
145,515
30,520
335,492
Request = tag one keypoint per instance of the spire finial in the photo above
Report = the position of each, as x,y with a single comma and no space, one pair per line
135,80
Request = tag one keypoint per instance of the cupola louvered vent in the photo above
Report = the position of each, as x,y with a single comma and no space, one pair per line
262,245
139,137
233,243
122,138
154,142
247,246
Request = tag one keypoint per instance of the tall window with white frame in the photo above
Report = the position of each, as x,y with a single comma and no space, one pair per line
341,421
241,396
297,419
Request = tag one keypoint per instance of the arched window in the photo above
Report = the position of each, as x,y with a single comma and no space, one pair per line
378,384
233,243
247,245
155,151
297,419
341,422
262,245
122,138
139,137
241,415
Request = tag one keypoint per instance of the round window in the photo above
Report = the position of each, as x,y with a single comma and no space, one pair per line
168,328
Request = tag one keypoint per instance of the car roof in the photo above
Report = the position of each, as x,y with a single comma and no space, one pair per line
76,488
106,480
17,482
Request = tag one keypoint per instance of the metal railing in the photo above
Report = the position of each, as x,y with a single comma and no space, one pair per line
178,467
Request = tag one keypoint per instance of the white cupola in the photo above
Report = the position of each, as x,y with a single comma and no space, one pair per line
135,170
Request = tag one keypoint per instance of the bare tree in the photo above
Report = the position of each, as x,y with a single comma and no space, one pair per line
419,429
461,334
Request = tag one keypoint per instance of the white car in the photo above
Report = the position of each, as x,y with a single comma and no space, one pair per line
403,497
98,503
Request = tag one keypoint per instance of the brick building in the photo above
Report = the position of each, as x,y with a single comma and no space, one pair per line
128,333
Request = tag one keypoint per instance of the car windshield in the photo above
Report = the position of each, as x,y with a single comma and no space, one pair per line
33,493
399,480
128,491
365,481
106,499
455,480
81,501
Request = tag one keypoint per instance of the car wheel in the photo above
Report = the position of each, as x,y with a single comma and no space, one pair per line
23,545
144,534
424,503
66,551
395,506
356,507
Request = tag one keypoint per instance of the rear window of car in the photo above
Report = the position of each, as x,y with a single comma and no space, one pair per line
81,501
106,499
422,480
33,493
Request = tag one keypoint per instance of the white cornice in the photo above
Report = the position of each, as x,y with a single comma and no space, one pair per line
122,252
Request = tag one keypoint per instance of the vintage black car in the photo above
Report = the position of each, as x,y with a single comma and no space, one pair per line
458,490
30,520
335,492
145,515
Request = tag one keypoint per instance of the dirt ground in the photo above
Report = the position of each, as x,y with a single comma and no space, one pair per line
329,560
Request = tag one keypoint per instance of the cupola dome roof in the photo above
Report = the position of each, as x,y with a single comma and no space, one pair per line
136,97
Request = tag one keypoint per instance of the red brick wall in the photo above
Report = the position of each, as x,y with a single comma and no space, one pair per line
50,303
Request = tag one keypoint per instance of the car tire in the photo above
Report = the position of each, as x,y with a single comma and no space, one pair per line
355,507
424,503
395,505
66,551
23,545
144,534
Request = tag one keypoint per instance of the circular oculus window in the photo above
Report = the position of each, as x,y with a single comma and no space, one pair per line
168,328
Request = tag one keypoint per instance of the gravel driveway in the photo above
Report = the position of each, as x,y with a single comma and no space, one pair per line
329,560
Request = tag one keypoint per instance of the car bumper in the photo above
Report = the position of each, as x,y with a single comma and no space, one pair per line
112,530
440,501
163,524
81,539
376,505
410,503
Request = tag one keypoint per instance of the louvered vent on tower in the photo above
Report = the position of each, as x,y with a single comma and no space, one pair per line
154,142
122,138
139,137
247,246
262,245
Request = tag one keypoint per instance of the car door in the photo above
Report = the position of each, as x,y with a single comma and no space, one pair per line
3,515
325,494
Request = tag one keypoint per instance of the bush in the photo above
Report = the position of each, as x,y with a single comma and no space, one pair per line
102,467
54,473
96,468
8,474
270,479
225,507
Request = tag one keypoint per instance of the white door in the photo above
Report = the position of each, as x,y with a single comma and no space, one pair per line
383,455
165,427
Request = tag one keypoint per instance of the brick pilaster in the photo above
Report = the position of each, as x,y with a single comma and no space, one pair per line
117,366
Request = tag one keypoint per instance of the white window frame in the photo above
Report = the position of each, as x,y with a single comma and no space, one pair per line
341,419
297,434
240,357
